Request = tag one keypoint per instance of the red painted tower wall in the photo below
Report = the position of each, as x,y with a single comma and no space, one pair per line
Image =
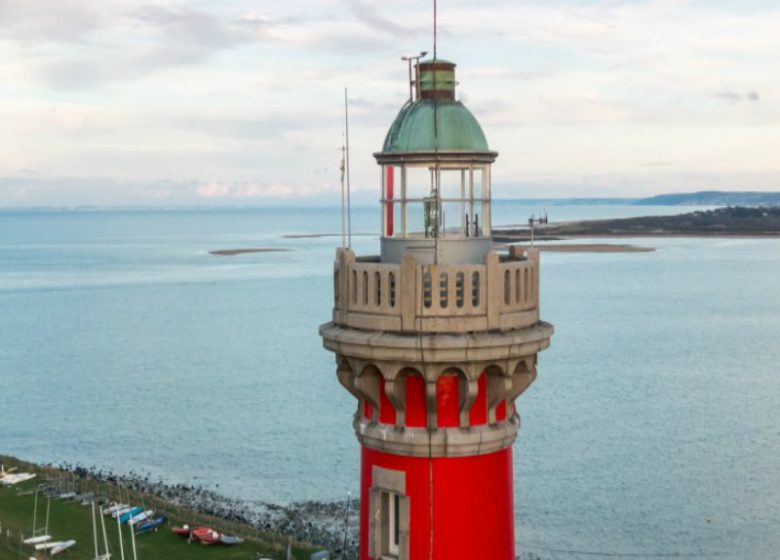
469,498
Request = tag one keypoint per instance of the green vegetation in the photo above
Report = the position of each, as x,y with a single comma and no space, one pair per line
733,221
70,520
721,222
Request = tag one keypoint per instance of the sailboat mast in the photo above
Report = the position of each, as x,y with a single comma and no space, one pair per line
105,536
48,511
35,513
94,531
121,545
132,540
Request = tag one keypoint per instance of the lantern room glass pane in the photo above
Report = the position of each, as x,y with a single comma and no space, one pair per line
418,182
478,189
415,219
452,218
476,220
450,184
391,218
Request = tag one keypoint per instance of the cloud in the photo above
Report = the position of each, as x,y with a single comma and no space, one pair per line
734,97
40,21
251,191
238,100
213,190
370,16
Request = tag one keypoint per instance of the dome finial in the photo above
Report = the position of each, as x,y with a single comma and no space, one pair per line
435,25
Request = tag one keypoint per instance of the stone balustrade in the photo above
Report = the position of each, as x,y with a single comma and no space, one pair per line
409,297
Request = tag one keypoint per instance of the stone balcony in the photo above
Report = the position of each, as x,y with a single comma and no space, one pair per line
453,299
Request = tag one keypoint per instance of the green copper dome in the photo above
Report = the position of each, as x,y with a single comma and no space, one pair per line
413,129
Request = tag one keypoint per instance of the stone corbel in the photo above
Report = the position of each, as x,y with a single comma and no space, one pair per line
346,375
524,374
395,388
467,399
367,387
498,387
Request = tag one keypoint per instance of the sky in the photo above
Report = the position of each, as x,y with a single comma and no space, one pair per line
239,102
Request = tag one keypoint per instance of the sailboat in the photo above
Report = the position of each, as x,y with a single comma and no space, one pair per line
114,508
106,555
129,514
120,512
62,547
151,524
39,535
9,477
143,516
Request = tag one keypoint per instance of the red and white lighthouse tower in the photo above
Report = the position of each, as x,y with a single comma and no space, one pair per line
436,337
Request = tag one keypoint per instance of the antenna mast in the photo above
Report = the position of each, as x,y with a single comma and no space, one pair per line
436,172
349,194
435,25
342,167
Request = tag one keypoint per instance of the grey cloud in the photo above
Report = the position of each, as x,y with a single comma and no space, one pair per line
187,26
734,97
43,21
72,74
372,19
179,36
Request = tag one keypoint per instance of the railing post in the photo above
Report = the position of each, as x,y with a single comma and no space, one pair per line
345,257
493,295
533,256
517,252
407,292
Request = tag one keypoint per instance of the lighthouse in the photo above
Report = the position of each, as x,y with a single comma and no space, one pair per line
436,337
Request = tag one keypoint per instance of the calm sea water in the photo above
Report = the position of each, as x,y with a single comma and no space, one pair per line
652,430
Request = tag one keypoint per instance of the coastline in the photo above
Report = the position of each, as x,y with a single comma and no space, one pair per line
234,252
593,248
306,526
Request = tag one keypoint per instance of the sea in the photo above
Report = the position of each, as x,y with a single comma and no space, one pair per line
652,430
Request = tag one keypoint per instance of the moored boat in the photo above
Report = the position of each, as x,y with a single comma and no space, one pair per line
47,545
18,478
62,547
206,535
139,517
183,531
111,510
129,514
37,540
230,540
121,512
150,524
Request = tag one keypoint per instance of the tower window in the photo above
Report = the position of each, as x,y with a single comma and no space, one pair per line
391,523
389,519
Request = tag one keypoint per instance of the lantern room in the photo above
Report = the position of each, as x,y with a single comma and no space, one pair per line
435,166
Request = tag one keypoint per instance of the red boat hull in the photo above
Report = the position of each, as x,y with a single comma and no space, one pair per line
206,535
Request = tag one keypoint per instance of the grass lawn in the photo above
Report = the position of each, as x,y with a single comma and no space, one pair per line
70,520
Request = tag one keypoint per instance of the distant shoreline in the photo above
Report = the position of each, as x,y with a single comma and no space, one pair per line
593,248
733,222
234,252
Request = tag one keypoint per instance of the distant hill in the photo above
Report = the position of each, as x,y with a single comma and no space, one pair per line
721,222
713,198
703,198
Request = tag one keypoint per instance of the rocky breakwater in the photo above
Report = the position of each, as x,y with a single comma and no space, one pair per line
320,524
